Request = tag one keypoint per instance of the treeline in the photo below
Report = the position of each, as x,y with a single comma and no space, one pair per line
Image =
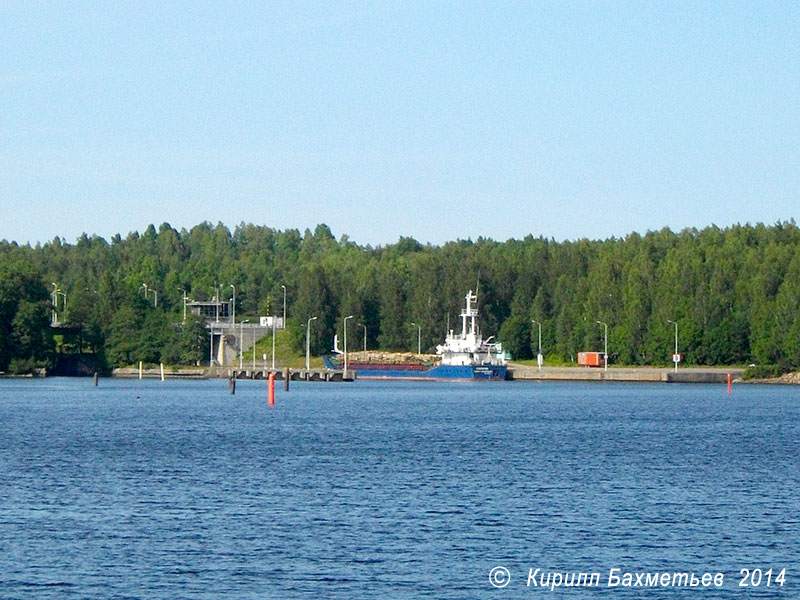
734,292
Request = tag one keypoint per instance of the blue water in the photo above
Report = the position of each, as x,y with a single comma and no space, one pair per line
391,489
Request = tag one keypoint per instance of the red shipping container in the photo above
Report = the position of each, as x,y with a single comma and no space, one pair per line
590,359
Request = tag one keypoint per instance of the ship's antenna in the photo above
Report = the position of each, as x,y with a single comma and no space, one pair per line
477,302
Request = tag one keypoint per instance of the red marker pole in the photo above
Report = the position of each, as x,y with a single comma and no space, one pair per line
729,385
271,389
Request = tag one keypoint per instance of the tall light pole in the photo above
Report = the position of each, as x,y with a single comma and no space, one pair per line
185,298
284,306
675,357
233,322
54,296
273,343
308,342
60,293
155,294
365,336
345,341
539,357
419,337
241,341
605,350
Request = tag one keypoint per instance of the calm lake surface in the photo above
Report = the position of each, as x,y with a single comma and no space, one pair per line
144,489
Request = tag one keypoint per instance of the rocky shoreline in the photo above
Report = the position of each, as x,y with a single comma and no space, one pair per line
785,379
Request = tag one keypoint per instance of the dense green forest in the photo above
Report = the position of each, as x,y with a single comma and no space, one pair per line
734,292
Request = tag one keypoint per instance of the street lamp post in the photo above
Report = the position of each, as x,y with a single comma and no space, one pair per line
155,293
54,296
419,337
185,298
233,309
241,341
345,341
675,357
273,343
65,302
539,357
365,336
308,342
284,306
605,349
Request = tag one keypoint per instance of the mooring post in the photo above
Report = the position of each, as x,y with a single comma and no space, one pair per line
286,377
96,377
231,386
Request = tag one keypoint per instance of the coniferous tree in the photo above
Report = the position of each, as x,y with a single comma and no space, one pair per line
733,292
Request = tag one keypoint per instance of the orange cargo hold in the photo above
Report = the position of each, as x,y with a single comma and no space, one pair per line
590,359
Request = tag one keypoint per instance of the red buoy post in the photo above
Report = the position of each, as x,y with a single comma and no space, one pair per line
729,384
271,389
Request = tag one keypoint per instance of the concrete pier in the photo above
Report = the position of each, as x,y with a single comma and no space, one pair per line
235,373
327,375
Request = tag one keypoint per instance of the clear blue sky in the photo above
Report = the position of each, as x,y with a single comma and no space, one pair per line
437,120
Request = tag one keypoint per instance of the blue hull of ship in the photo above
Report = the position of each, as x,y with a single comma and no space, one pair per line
389,371
479,372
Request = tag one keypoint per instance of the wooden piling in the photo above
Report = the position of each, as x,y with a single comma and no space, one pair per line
286,377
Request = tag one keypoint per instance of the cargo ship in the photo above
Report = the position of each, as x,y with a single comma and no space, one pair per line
464,356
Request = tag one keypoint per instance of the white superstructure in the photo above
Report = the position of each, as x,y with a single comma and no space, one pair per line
468,348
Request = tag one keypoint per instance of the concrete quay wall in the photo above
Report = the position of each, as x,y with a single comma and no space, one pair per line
518,372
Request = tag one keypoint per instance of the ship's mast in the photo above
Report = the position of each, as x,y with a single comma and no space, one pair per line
470,314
